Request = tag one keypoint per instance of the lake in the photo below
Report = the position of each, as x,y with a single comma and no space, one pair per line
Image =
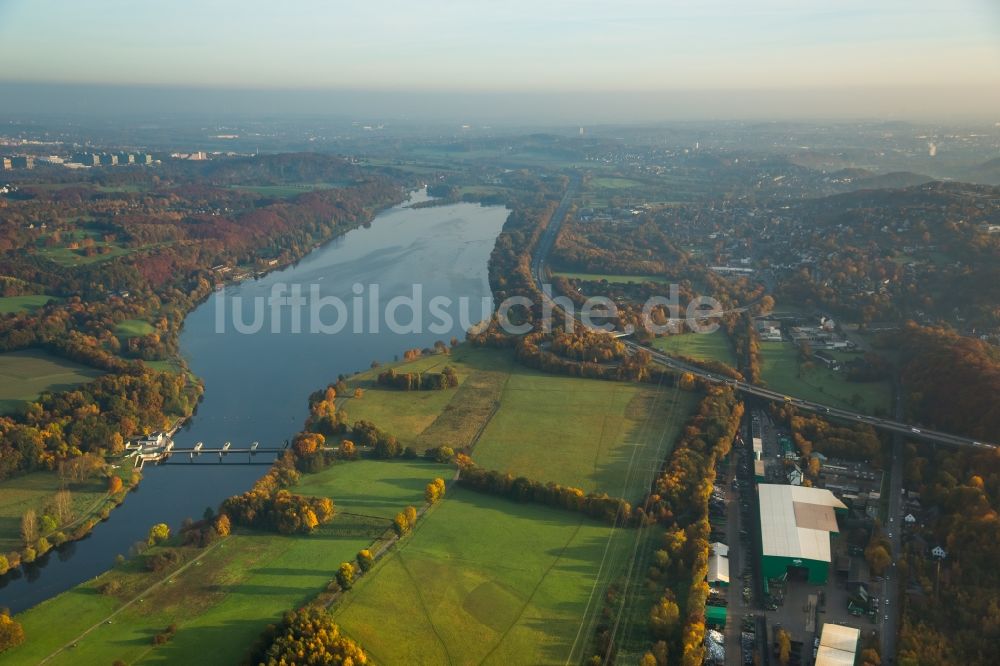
257,382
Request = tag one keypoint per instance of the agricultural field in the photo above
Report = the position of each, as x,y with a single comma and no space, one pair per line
580,432
222,597
25,374
483,580
9,304
781,371
704,347
36,491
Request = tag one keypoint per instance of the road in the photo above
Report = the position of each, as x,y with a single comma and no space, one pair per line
545,244
889,620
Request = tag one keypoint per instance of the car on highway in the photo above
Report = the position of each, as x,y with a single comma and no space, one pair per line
916,430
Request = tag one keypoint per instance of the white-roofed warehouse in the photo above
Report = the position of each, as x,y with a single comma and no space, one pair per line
795,527
838,645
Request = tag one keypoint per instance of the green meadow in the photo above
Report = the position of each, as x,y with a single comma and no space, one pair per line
25,374
781,370
700,346
483,580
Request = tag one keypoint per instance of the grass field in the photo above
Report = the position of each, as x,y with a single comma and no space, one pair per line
612,279
25,374
134,328
64,256
613,183
35,491
286,191
780,369
486,581
223,601
580,432
164,366
10,304
705,347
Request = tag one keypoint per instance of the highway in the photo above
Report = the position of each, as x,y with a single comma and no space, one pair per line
545,245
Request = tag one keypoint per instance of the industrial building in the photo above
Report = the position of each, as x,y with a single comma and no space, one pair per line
718,565
795,527
838,645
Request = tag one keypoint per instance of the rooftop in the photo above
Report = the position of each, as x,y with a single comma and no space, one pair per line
796,521
837,645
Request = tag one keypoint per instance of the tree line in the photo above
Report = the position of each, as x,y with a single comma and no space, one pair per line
679,501
419,381
612,510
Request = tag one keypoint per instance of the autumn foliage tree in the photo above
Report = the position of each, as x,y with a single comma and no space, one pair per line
345,575
308,637
11,632
435,491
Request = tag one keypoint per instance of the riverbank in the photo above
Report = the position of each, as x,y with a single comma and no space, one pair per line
444,249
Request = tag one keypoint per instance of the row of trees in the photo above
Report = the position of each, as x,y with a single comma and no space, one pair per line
419,381
613,510
679,500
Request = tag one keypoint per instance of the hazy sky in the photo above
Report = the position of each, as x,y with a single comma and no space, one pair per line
523,45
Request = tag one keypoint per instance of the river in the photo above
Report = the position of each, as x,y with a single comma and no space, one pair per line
257,383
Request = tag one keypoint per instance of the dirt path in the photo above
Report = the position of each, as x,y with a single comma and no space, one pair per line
137,598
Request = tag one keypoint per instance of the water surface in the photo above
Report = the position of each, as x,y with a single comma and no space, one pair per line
257,385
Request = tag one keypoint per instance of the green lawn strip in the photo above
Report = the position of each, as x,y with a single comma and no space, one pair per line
614,183
780,369
482,580
134,328
65,256
702,346
25,374
9,304
286,191
612,279
164,366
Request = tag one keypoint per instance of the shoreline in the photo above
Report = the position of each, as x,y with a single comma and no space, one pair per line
25,568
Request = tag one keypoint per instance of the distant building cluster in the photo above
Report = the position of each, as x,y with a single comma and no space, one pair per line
76,161
90,159
17,162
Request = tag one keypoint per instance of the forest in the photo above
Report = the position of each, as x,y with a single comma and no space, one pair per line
173,235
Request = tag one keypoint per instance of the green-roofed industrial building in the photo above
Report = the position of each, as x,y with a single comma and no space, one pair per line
795,527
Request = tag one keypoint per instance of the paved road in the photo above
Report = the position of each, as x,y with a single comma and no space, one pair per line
538,272
889,621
